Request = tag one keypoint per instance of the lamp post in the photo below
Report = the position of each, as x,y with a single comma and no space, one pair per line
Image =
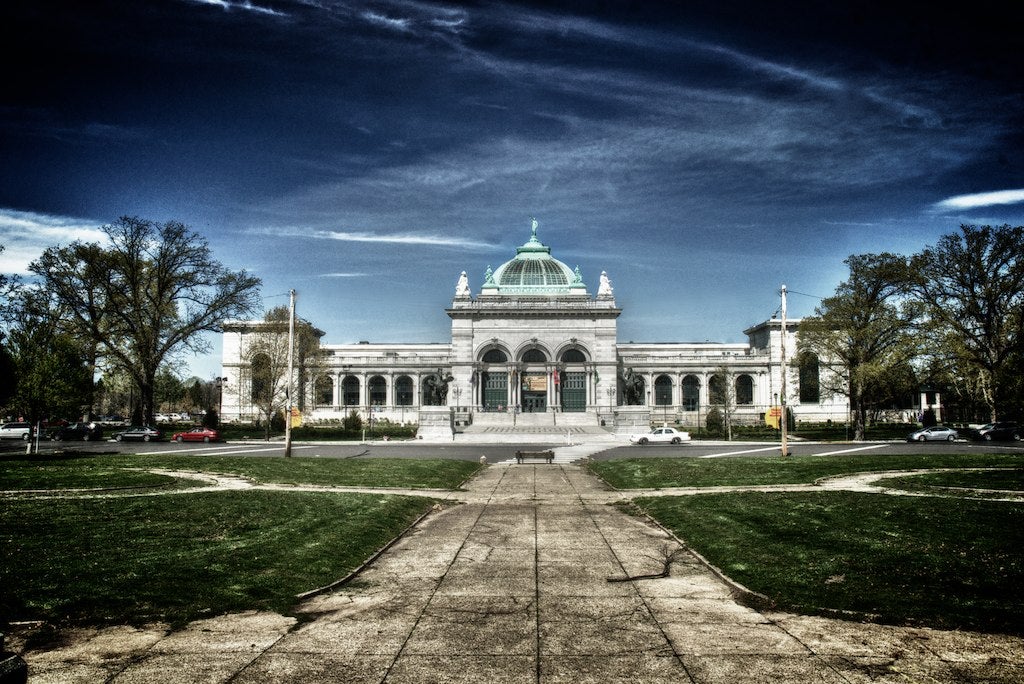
291,361
219,382
782,392
457,391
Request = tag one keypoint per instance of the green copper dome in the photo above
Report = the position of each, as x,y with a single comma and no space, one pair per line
533,271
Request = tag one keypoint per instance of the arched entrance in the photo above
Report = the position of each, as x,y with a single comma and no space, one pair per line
573,381
534,387
494,380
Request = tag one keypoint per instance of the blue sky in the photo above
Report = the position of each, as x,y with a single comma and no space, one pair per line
365,153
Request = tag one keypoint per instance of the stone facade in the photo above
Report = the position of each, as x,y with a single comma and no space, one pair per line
535,347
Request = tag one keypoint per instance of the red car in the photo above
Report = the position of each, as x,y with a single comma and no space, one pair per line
197,434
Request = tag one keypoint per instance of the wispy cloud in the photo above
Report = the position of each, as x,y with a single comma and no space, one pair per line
423,239
25,235
402,239
401,25
343,275
981,199
245,5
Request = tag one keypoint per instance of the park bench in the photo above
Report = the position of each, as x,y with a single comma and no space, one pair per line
548,456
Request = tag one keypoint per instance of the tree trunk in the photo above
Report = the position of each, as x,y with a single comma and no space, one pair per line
147,390
859,413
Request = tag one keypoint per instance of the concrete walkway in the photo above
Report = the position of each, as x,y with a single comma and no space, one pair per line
513,587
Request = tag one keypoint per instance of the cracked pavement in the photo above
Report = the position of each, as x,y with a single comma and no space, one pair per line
512,586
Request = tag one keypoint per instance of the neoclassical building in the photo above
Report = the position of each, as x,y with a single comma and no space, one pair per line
534,346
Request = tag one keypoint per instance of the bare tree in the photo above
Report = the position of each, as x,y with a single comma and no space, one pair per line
146,296
722,393
267,353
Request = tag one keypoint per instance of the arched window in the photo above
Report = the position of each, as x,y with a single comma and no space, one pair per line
744,390
663,391
691,393
350,391
495,356
403,391
535,356
378,391
810,382
573,356
323,391
716,389
262,383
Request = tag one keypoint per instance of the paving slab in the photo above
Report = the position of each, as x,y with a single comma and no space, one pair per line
531,579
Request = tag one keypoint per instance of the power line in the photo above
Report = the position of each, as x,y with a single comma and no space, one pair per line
804,294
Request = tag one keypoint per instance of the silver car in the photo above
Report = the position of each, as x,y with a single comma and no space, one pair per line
936,433
21,431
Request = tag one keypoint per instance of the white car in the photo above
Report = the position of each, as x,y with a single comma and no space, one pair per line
21,431
661,435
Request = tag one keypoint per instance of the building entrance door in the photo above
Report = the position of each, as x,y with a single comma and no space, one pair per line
535,392
535,402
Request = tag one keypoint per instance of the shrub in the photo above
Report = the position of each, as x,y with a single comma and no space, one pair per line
352,422
715,422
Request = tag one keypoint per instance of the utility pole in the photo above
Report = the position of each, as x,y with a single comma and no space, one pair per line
785,412
288,379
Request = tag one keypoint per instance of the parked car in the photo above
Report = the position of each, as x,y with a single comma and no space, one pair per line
661,435
163,418
139,432
197,434
1002,431
83,431
936,433
22,431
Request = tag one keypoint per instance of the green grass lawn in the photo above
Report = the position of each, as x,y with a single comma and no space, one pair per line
177,558
907,560
180,557
646,473
110,470
904,560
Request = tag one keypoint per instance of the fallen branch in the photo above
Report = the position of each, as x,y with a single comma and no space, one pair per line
668,556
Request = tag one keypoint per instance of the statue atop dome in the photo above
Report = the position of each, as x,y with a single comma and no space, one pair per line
462,288
605,288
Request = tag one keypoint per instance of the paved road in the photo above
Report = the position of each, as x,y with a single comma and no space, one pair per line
501,452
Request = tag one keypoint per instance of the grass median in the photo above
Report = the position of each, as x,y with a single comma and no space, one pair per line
945,563
940,562
180,557
660,473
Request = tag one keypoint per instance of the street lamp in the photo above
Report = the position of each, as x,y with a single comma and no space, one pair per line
219,382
